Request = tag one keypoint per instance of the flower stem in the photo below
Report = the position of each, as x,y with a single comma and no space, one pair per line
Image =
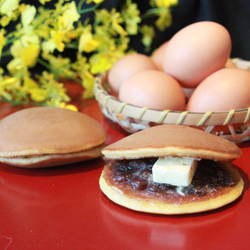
80,4
43,63
150,12
6,53
56,73
86,10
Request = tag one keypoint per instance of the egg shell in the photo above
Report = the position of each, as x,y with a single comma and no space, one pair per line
127,66
197,51
158,55
153,89
226,89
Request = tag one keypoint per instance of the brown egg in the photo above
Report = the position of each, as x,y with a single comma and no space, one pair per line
153,89
226,89
197,51
158,55
127,66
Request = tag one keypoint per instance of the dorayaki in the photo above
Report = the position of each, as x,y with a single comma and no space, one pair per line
171,169
48,136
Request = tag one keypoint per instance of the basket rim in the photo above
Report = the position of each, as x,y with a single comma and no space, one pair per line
105,100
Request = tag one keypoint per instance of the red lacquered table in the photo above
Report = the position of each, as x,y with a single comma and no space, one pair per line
63,208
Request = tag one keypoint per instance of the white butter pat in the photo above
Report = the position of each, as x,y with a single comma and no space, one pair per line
177,171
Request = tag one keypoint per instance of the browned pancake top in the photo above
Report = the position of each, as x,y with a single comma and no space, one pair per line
175,140
48,130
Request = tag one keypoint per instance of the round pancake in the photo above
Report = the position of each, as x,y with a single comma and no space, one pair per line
50,160
34,135
153,205
174,140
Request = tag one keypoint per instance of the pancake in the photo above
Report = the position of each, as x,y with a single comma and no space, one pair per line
127,175
175,140
48,136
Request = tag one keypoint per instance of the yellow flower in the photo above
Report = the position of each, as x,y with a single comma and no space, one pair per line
82,67
44,1
16,48
22,7
29,39
38,95
8,81
103,61
68,106
87,43
100,63
110,43
7,85
69,16
148,35
55,90
73,34
5,20
163,11
57,39
132,18
25,52
116,20
29,55
28,15
15,65
88,84
165,3
111,22
29,84
60,66
6,95
94,1
2,42
8,6
164,20
39,31
48,46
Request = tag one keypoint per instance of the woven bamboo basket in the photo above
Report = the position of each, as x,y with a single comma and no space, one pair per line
233,125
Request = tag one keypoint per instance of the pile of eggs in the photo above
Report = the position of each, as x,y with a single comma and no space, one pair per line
192,71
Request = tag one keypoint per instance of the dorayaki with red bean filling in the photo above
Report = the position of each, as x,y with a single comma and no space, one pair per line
171,169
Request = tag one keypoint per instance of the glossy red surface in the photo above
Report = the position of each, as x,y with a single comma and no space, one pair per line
63,208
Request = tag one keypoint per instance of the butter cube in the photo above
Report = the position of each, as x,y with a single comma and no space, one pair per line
177,171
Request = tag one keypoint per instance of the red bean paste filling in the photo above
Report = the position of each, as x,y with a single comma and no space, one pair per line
210,177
